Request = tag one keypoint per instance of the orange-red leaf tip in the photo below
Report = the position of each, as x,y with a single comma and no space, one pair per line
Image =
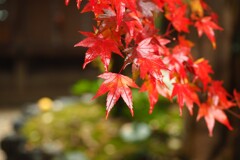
107,113
132,113
214,45
180,110
78,3
210,134
67,2
150,111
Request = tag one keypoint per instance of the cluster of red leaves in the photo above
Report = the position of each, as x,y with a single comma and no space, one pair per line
126,28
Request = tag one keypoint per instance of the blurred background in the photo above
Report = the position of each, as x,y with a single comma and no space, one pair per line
37,59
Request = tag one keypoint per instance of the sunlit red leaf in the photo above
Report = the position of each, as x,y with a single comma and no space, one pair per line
207,26
219,95
152,66
210,113
178,19
185,94
145,48
203,71
147,7
150,85
96,6
128,28
98,46
116,85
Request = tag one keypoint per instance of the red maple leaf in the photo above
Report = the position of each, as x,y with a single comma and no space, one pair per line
147,7
145,48
185,94
152,66
207,26
116,85
150,85
210,113
120,6
202,70
96,6
133,26
159,3
128,27
177,61
219,96
178,19
98,46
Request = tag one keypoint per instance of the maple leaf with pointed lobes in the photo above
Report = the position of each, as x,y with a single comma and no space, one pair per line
185,93
152,66
116,85
133,26
159,3
219,96
96,6
150,86
210,113
176,62
207,26
98,46
147,7
120,6
178,19
202,70
145,48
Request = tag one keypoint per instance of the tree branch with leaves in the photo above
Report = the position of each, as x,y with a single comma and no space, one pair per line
161,64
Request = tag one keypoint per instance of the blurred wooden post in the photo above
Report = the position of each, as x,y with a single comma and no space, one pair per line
197,143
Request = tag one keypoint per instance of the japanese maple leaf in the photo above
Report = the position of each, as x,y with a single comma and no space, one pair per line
218,95
210,113
116,85
185,93
150,86
133,26
147,7
207,26
120,6
161,43
159,3
98,46
96,6
202,70
178,19
152,65
177,62
183,42
145,48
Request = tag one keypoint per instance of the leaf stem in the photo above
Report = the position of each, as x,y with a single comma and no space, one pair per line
233,113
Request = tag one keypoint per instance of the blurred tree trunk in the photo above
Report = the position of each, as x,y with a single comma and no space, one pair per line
197,143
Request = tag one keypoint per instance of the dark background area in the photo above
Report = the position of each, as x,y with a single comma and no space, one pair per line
37,57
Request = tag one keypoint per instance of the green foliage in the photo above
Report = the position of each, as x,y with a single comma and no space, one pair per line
84,86
80,128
